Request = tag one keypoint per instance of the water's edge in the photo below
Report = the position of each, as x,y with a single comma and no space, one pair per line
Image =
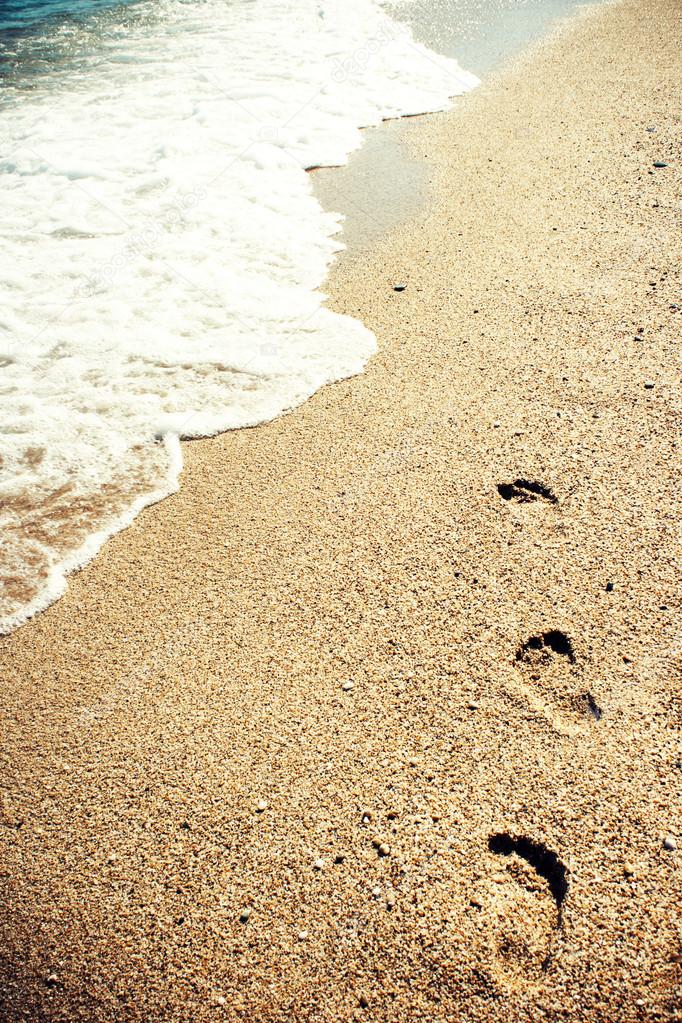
122,354
384,185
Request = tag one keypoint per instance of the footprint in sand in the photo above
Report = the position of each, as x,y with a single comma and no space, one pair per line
524,491
521,905
550,678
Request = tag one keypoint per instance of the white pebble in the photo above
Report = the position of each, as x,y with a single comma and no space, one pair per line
318,864
347,686
262,805
670,843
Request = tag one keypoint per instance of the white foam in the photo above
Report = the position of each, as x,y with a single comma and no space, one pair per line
162,252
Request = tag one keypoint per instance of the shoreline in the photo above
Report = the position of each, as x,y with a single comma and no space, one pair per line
203,820
67,489
358,190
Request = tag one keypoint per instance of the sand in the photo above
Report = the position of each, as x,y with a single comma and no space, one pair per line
512,733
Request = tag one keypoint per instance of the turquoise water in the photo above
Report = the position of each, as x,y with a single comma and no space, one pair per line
46,36
17,16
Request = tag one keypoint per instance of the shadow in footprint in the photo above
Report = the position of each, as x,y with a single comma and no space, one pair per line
524,491
525,916
539,649
552,678
544,861
520,906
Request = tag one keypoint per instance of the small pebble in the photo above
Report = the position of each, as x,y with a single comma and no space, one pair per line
318,864
384,849
497,424
220,1000
376,892
302,935
628,869
609,587
473,705
659,163
262,806
366,816
476,900
649,385
399,287
244,915
363,1002
347,686
670,843
52,979
390,900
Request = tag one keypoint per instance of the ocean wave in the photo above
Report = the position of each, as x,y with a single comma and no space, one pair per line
162,251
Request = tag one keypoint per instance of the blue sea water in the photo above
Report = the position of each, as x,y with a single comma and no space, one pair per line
20,16
41,36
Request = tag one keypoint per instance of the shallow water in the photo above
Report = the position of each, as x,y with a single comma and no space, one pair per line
382,185
45,36
482,33
20,16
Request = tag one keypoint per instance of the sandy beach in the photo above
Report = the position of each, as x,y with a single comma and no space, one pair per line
378,718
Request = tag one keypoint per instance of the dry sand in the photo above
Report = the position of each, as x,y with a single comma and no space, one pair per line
197,667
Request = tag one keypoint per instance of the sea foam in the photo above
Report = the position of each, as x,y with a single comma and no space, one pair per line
162,250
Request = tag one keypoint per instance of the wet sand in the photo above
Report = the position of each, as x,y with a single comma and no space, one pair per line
384,184
202,819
